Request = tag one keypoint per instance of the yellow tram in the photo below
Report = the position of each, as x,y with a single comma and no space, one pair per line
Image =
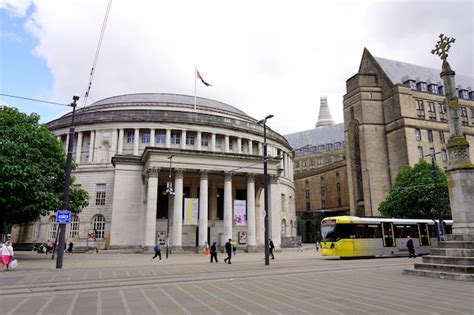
350,236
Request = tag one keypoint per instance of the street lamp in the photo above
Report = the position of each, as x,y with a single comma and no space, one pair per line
265,187
62,226
169,191
440,229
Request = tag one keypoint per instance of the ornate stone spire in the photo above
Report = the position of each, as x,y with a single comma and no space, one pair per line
324,117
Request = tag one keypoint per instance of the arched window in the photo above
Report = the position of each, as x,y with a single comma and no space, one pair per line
283,228
74,226
53,228
98,224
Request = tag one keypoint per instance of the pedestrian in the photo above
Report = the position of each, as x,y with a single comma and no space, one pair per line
234,247
70,248
206,249
214,252
7,255
228,250
299,246
411,248
317,246
271,247
157,251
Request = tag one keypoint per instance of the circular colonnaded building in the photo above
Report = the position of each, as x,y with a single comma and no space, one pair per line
122,147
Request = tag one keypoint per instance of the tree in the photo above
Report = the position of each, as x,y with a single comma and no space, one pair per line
32,170
413,194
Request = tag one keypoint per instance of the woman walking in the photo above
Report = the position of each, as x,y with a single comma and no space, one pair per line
7,254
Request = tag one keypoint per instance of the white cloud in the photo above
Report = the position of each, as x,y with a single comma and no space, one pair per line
263,57
15,7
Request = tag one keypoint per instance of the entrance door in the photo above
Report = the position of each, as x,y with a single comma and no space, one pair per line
424,234
388,236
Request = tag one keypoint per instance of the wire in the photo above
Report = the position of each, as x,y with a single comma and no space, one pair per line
96,57
33,99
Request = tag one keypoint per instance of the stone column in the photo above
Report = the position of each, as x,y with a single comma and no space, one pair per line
91,146
120,141
79,148
136,141
285,165
183,139
178,209
152,199
239,145
203,207
260,149
168,138
251,231
226,143
250,147
213,142
228,206
198,140
113,146
274,217
152,137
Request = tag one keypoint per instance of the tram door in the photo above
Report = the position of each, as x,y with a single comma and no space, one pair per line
424,234
388,235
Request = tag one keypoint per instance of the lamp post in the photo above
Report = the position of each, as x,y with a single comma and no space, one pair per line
169,191
265,188
62,226
440,230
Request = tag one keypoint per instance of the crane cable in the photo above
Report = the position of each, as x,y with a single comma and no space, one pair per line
96,58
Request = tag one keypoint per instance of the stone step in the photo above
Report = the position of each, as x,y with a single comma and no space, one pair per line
456,244
452,252
439,274
446,260
460,237
445,268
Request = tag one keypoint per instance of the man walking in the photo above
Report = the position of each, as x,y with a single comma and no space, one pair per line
411,248
214,252
157,251
272,248
228,250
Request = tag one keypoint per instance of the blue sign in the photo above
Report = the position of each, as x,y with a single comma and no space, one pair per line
63,216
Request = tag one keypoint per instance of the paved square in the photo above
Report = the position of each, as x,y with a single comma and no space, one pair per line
294,283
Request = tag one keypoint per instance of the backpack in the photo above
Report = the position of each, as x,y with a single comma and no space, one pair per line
157,248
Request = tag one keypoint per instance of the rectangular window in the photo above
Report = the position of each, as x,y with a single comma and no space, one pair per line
308,206
420,153
74,226
441,137
190,139
419,105
146,138
231,144
418,134
323,204
431,107
433,152
160,138
175,137
430,135
472,112
130,137
442,112
444,155
100,194
205,140
463,111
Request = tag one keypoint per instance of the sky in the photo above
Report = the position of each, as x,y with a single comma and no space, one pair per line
263,57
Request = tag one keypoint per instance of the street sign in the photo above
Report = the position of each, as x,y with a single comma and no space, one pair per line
63,216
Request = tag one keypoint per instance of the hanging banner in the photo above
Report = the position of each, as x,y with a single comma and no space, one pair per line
191,208
240,212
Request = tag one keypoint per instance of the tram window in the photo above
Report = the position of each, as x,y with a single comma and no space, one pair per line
361,231
412,231
373,231
432,230
448,229
400,231
345,231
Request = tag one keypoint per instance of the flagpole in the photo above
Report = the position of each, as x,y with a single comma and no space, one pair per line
195,75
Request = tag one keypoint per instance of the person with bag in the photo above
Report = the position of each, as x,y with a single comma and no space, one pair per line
214,253
157,251
7,255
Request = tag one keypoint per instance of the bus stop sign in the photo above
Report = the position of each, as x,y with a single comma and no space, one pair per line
63,216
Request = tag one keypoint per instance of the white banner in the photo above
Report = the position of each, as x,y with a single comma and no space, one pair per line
191,208
240,213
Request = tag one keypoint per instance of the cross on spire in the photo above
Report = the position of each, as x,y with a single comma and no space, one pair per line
442,46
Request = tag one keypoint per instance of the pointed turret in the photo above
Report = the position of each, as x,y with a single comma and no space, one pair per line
324,117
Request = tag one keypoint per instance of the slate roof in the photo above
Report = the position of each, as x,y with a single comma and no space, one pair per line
399,72
168,99
317,136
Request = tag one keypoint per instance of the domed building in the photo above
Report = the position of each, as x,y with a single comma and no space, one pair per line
158,163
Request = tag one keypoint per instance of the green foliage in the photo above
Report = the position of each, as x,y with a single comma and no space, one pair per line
32,169
413,194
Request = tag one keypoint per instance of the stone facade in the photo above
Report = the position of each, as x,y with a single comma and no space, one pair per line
122,147
394,115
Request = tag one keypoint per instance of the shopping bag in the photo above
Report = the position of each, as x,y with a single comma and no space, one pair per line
13,264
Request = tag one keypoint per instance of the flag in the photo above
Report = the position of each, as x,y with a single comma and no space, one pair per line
198,75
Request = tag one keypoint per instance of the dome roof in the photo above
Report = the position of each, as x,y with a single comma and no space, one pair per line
166,98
